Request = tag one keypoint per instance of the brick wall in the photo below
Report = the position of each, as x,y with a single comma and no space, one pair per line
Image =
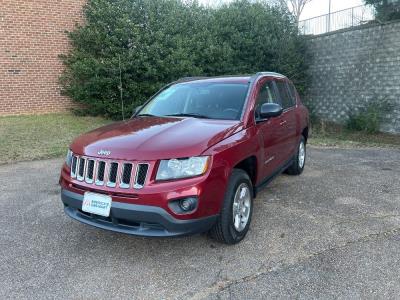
353,67
32,35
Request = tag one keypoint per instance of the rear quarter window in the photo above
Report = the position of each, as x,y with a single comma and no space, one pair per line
292,91
286,97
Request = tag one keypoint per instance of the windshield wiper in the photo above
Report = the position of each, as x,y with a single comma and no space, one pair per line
146,115
194,115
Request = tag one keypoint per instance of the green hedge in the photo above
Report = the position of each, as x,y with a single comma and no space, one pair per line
153,42
385,10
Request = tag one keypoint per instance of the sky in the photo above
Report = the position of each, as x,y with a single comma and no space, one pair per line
318,7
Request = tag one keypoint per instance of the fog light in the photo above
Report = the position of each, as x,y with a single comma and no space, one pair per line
188,204
184,205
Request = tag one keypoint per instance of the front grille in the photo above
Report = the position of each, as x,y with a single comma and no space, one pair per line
110,173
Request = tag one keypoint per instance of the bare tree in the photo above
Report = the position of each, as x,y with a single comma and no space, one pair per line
295,6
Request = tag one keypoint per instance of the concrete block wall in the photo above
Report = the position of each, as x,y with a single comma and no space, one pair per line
351,68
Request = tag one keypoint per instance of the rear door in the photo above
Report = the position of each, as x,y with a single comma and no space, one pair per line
269,131
287,121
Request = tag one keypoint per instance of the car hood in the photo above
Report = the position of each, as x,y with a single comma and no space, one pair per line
151,138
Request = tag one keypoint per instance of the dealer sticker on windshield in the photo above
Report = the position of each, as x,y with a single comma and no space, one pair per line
97,204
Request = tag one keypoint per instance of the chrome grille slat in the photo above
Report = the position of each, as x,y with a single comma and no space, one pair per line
100,172
74,164
141,175
108,172
81,169
89,171
112,174
126,175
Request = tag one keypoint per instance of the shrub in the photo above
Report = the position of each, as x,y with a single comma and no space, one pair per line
368,118
145,44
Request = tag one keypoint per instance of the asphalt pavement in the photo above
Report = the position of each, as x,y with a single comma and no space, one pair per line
333,232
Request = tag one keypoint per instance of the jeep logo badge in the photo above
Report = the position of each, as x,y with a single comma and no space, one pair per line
104,152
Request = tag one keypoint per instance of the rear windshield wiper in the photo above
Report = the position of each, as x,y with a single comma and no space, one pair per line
190,115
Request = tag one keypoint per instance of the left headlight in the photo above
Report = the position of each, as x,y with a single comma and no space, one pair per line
182,168
68,159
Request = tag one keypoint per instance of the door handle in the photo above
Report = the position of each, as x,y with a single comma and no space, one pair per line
282,122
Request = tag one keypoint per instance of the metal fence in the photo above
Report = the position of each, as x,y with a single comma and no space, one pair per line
337,20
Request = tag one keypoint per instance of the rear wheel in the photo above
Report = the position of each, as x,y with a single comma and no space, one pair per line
299,160
235,217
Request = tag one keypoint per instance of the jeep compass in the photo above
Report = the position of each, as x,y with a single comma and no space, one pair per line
191,159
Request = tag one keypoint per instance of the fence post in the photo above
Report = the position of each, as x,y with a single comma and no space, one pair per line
352,16
329,17
328,23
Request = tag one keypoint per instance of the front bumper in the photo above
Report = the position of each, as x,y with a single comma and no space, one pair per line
141,220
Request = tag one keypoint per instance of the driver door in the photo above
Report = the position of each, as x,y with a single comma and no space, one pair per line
269,131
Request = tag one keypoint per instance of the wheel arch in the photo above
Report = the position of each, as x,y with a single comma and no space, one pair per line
305,133
249,165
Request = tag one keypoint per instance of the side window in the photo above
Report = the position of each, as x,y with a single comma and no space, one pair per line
293,91
287,100
265,95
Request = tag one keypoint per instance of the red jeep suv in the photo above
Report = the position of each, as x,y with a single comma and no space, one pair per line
190,160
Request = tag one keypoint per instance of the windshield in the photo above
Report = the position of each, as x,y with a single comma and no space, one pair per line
199,99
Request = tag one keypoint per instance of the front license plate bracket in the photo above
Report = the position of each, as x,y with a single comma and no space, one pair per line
97,204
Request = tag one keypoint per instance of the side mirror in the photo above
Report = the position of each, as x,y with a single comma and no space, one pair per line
270,110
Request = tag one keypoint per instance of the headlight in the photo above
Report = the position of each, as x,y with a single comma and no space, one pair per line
68,159
182,168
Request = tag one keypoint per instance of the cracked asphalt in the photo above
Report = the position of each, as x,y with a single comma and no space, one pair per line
333,232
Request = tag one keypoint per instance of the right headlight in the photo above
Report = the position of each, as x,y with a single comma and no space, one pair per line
182,168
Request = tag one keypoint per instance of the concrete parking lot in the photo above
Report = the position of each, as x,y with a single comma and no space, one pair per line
333,232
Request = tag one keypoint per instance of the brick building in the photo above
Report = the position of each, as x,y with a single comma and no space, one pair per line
32,36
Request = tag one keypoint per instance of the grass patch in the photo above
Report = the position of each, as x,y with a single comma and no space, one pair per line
333,135
47,136
41,136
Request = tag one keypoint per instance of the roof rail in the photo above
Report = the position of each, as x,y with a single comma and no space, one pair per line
258,74
269,74
252,77
186,79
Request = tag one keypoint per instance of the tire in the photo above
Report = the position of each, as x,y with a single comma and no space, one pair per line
299,161
230,227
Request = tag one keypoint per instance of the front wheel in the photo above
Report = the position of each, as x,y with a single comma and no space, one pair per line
299,160
234,220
